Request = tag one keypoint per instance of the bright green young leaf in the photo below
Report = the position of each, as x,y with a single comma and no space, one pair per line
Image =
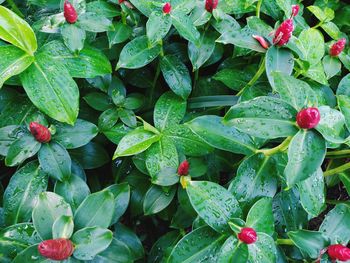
344,106
158,198
233,251
94,22
157,26
263,250
120,33
312,45
63,227
31,254
331,125
73,37
185,27
316,73
260,216
331,65
344,86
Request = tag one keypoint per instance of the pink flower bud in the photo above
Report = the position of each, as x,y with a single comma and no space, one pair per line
56,249
210,5
339,252
120,1
262,41
295,10
40,132
283,33
183,168
337,47
308,118
247,235
69,12
167,8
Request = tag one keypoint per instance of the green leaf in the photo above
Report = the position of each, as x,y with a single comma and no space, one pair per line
129,238
294,91
256,178
102,8
196,246
117,251
73,37
263,117
32,255
90,156
94,22
263,250
161,247
7,138
260,216
312,193
63,227
55,160
336,224
121,194
48,209
202,51
312,45
120,34
168,111
344,106
162,162
233,251
73,189
137,53
344,86
185,27
16,31
13,62
22,191
306,153
22,149
97,209
213,203
157,26
176,75
234,78
322,15
316,72
90,241
72,137
50,87
280,60
211,129
309,242
158,198
135,142
331,65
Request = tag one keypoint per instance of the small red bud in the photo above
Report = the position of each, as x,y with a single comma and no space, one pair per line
283,33
56,249
262,41
120,1
40,132
308,118
167,8
69,12
210,5
247,235
339,252
183,168
295,10
337,47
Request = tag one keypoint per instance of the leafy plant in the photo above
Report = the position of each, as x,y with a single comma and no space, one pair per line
174,131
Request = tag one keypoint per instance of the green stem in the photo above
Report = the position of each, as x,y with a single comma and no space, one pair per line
280,148
287,242
123,18
15,8
318,25
337,170
258,6
337,153
257,75
334,202
154,83
196,74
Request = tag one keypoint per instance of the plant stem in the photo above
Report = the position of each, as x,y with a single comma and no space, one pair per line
334,202
318,25
15,8
337,170
257,75
280,148
258,6
196,73
287,242
154,83
337,153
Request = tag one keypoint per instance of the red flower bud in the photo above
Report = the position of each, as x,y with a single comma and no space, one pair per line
308,118
167,8
295,10
56,249
337,47
339,252
69,12
120,1
40,132
283,33
247,235
262,41
210,5
183,168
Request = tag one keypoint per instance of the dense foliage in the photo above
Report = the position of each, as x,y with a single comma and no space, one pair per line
174,131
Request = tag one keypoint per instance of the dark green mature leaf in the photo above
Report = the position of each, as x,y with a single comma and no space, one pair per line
305,155
158,198
50,87
13,62
129,238
102,8
157,26
22,191
211,129
73,37
196,246
90,156
90,241
263,250
49,207
94,22
234,78
97,209
233,251
213,203
260,216
185,27
121,194
344,106
7,137
16,31
336,224
264,117
344,86
176,75
331,65
31,254
117,252
137,53
309,242
161,247
120,33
